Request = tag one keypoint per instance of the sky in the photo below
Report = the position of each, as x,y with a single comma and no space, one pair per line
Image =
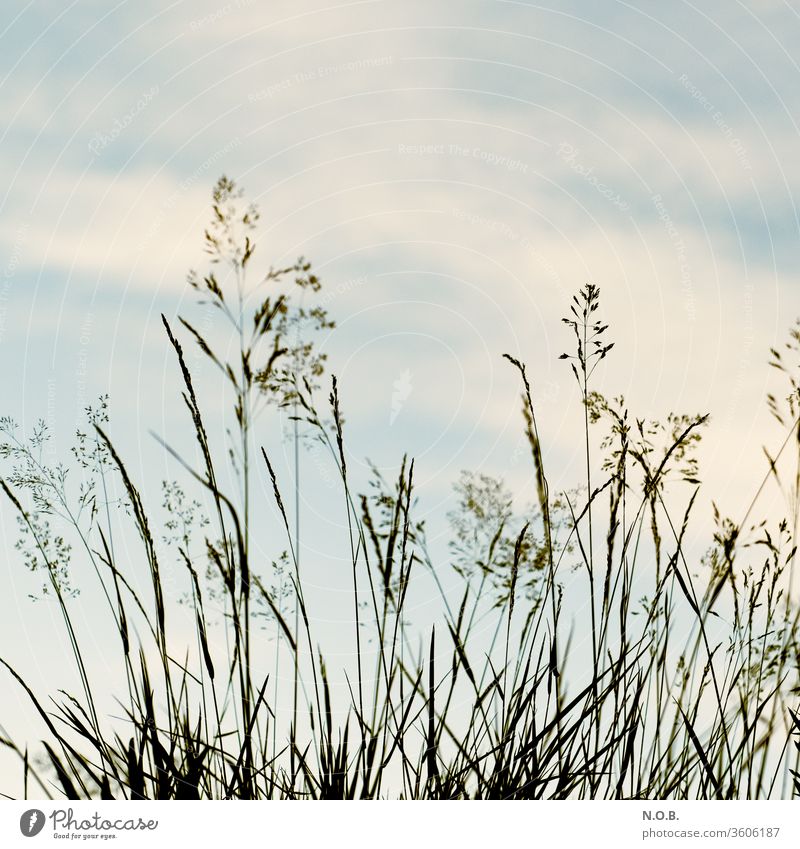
455,172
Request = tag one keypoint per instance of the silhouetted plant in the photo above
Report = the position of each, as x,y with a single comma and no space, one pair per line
662,676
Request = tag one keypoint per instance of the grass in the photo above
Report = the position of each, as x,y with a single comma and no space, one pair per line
616,665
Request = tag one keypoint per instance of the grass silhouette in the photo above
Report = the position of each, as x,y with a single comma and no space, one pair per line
685,687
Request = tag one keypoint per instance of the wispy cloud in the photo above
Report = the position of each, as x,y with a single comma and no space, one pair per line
473,165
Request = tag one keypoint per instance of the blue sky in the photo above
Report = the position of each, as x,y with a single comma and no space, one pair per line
413,145
455,172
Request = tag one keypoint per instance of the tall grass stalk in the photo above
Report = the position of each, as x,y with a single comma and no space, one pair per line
663,674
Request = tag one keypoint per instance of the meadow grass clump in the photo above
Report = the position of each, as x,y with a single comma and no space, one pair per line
586,653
